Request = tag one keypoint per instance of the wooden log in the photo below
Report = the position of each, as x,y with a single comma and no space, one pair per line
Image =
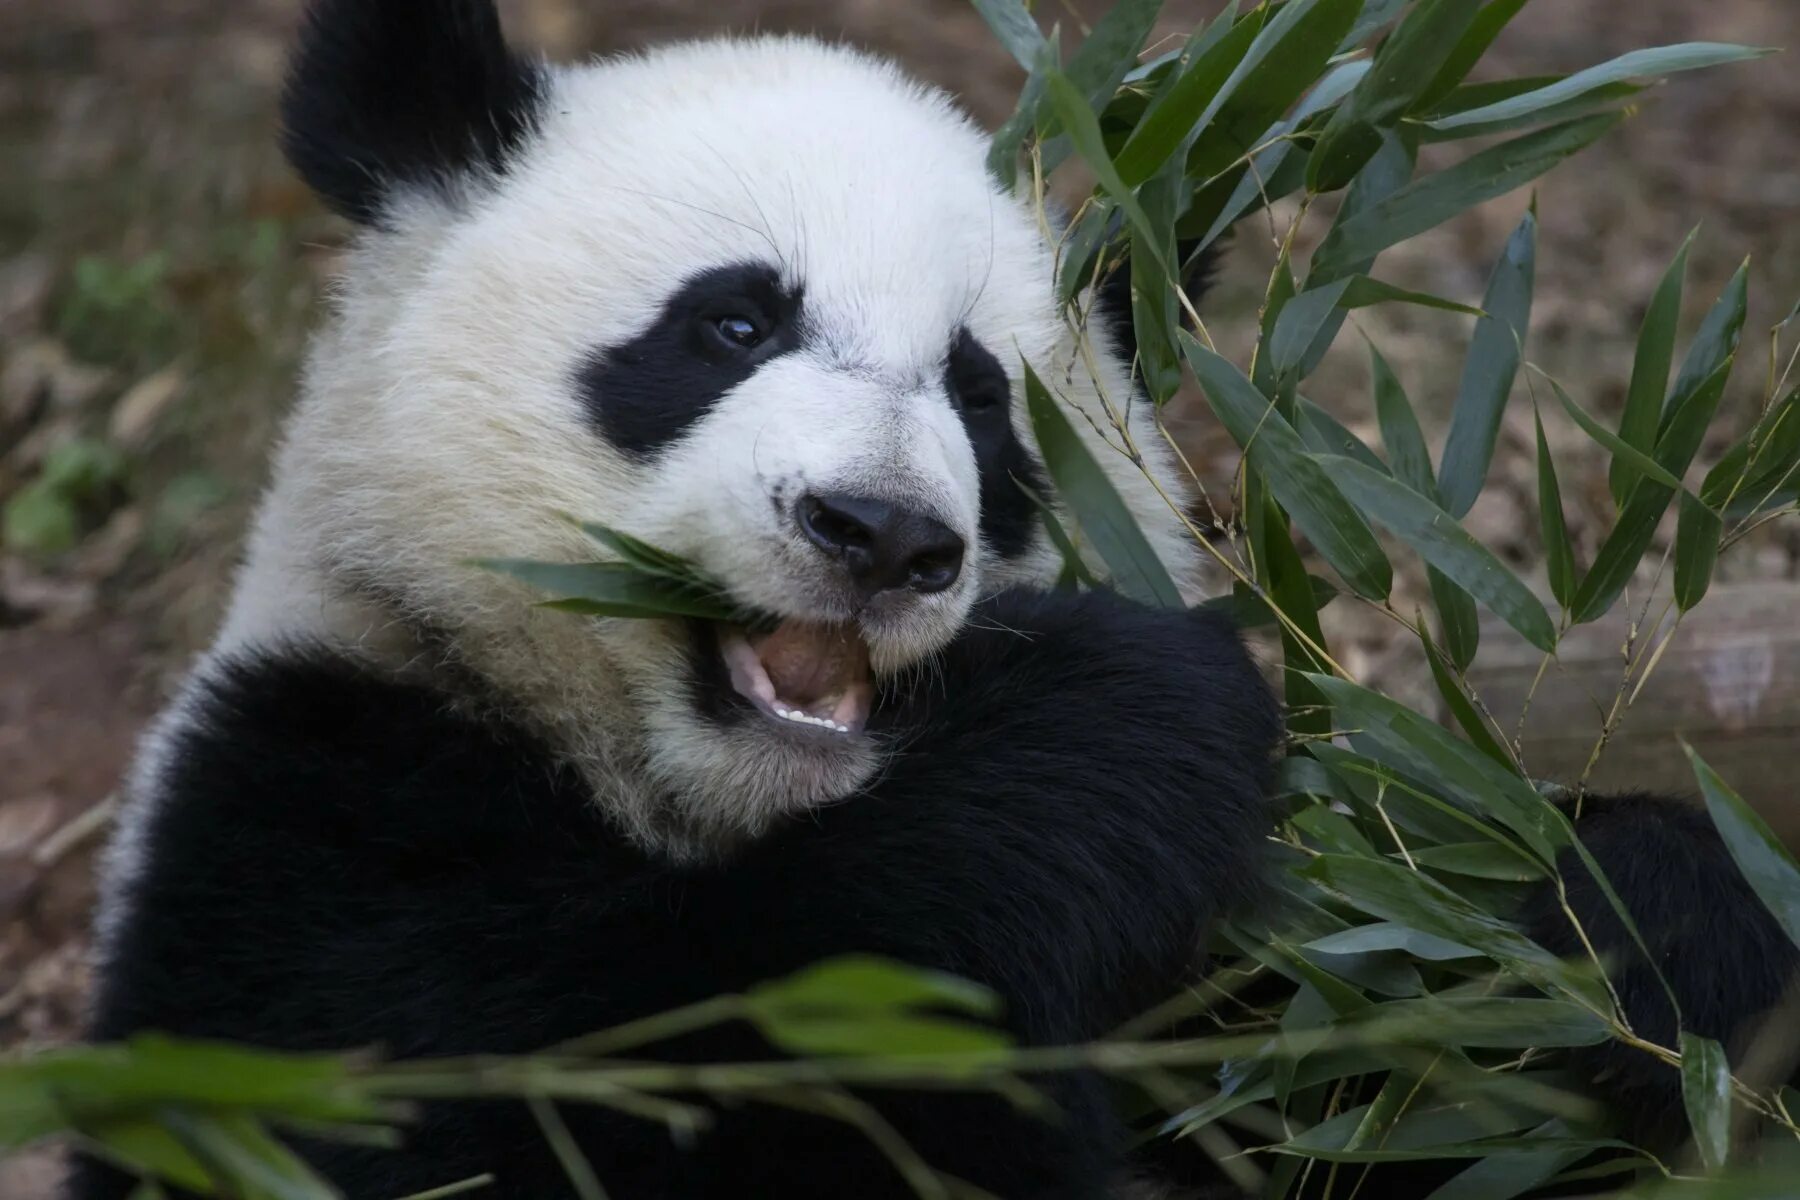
1728,682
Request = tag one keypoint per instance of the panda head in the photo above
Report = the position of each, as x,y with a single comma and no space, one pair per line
756,302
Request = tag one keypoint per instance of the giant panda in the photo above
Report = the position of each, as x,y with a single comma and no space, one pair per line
759,303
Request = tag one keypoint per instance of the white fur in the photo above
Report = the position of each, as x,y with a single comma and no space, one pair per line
439,421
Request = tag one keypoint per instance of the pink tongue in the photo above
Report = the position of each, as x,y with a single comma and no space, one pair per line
809,662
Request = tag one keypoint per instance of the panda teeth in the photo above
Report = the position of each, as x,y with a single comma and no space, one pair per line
794,714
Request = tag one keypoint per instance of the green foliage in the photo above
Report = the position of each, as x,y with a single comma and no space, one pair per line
1394,1008
73,488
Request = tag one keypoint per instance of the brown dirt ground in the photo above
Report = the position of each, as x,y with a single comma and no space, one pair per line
134,129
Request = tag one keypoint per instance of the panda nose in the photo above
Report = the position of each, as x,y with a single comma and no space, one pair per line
882,546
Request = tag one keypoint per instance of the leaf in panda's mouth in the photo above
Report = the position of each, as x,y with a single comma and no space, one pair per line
644,583
803,672
800,673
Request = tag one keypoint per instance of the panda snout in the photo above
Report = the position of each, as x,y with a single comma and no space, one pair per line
881,546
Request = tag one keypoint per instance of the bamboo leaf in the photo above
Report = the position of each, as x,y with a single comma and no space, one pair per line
1637,461
1559,553
1171,120
1275,451
1406,64
1094,502
1434,199
1770,869
1475,783
1012,23
1655,60
1400,433
1457,619
1474,43
1292,51
1463,709
1706,1094
613,590
1697,533
1654,356
1489,371
1083,129
1443,543
1632,533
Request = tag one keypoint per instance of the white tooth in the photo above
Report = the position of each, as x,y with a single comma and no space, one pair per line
840,728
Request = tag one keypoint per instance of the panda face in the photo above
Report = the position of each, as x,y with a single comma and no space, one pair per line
756,303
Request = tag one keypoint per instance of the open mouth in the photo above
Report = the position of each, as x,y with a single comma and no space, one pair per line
806,674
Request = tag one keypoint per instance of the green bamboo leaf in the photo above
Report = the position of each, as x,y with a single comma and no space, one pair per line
1171,120
1394,893
1480,860
1697,533
1400,433
613,590
1492,1022
1443,543
1388,935
1770,869
1463,709
239,1149
1637,461
1275,171
1474,43
1405,65
1489,371
1078,121
866,983
1651,61
1325,434
1654,356
1473,782
1003,149
1110,52
1632,533
1715,342
1506,1176
1274,450
1095,503
1611,98
1291,52
1389,170
1706,1094
1075,571
1457,618
1304,315
1013,24
1434,199
1559,553
1765,458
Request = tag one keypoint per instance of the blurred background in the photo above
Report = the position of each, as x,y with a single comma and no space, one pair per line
159,270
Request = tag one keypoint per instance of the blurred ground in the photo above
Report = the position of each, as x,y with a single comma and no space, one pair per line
158,270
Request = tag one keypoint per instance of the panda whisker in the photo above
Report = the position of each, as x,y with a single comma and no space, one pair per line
744,185
699,208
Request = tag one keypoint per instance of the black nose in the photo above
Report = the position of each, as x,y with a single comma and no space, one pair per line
881,545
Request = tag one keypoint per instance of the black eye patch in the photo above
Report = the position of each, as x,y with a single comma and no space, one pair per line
711,335
982,394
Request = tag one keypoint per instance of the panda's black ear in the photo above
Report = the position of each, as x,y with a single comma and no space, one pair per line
386,93
1114,293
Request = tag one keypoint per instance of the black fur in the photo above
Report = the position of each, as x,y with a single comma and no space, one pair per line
417,93
340,859
1720,949
978,386
649,391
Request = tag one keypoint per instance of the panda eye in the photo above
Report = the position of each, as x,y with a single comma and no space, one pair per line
981,399
736,330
